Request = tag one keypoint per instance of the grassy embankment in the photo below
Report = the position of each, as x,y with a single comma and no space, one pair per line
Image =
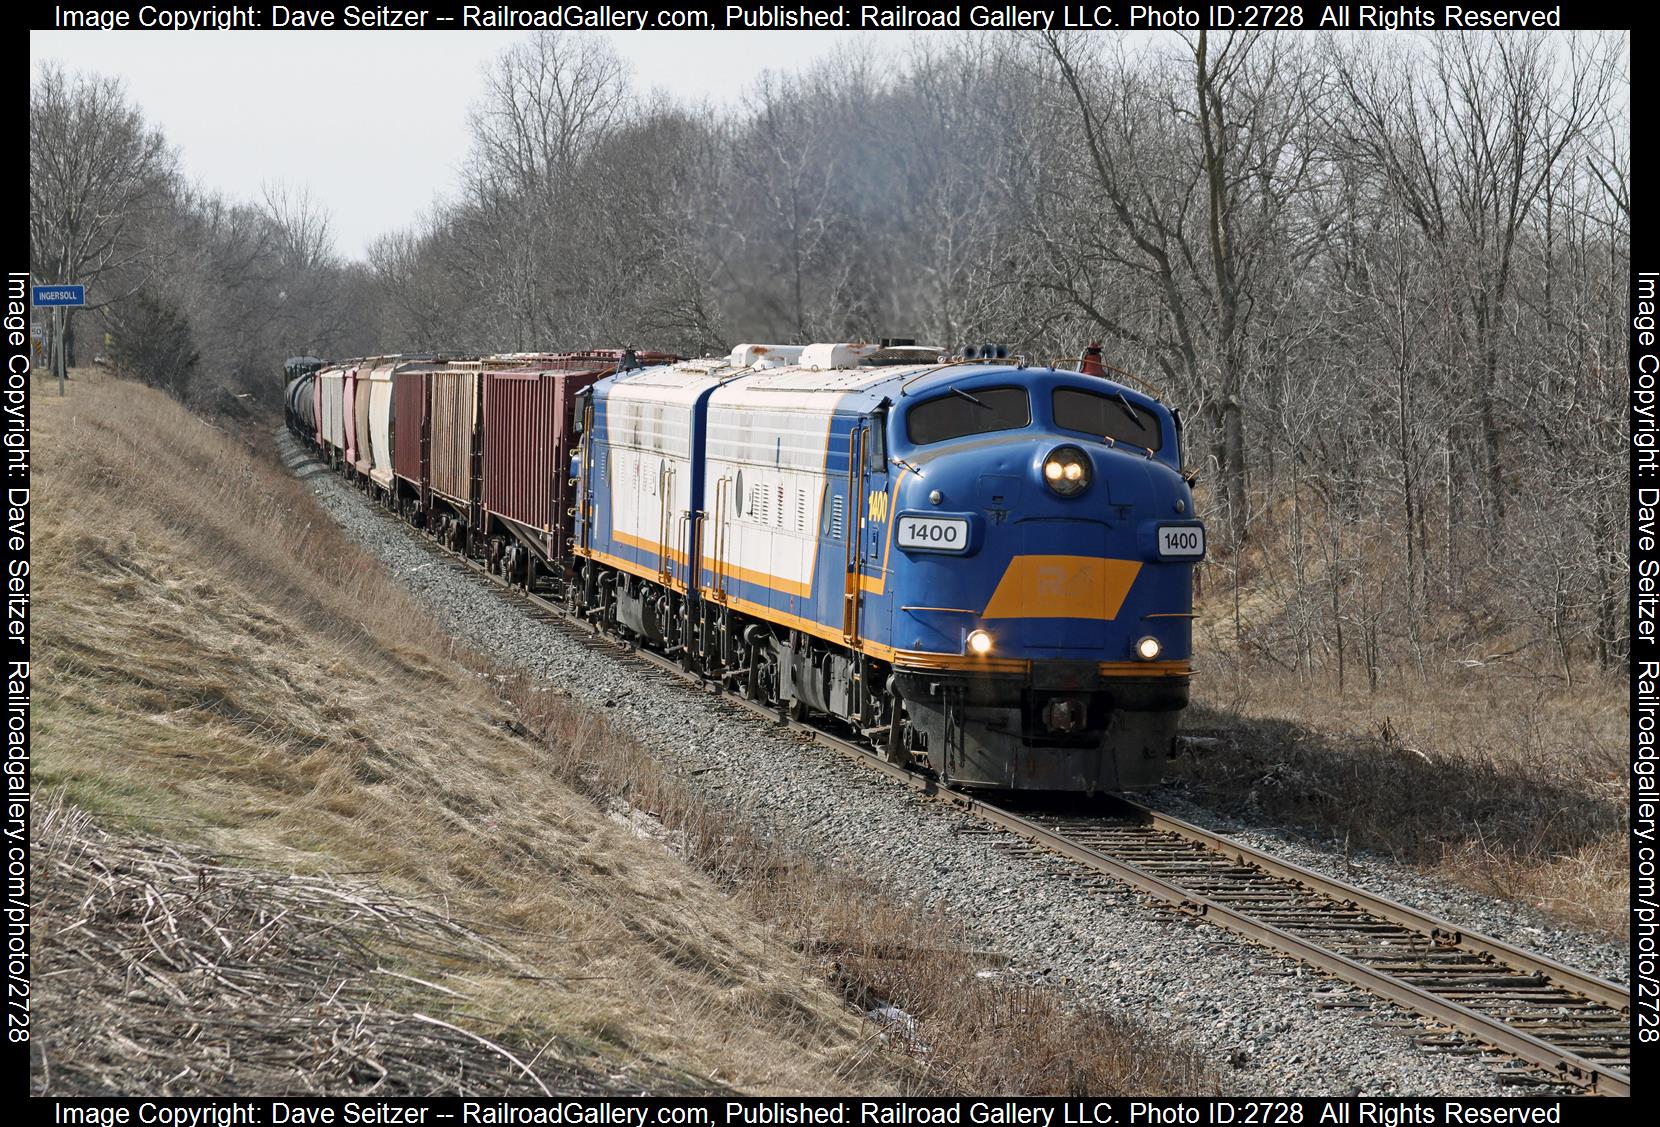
230,689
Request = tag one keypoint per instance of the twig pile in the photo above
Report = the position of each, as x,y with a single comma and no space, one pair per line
162,973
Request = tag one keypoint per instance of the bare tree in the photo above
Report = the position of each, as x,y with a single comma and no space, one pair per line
1468,138
1380,278
547,101
1199,165
98,177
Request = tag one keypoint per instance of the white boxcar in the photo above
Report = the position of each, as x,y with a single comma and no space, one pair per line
376,461
332,424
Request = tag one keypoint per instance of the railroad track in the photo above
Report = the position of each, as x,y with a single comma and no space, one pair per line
1572,1028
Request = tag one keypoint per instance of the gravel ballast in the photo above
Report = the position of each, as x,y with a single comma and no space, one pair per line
1270,1025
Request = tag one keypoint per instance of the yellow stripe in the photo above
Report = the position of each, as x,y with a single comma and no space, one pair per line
808,626
967,663
905,659
772,582
1146,669
1062,587
629,566
651,546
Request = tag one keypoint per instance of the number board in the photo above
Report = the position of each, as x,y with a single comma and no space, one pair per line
933,534
1182,541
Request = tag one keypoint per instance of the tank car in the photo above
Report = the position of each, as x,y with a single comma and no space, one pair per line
299,396
983,567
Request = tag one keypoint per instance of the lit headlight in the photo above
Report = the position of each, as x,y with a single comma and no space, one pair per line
979,642
1066,470
1148,648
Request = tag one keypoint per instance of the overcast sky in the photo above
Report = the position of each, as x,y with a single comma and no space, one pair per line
375,122
341,111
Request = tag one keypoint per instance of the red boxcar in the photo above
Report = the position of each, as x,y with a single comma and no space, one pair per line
410,423
529,422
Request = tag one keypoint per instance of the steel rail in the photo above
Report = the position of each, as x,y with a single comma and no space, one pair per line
1562,1064
1610,994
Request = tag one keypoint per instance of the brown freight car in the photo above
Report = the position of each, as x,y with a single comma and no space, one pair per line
436,445
481,448
453,453
613,359
411,420
529,422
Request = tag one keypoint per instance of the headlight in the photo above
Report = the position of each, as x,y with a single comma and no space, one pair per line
979,642
1148,648
1066,470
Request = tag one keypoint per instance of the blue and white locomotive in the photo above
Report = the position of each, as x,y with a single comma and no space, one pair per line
982,567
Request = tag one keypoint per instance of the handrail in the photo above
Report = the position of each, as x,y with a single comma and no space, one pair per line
717,565
664,568
855,533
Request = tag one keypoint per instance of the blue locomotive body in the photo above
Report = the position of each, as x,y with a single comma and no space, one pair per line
986,568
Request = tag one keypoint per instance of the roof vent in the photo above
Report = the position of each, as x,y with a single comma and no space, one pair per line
765,355
862,354
845,355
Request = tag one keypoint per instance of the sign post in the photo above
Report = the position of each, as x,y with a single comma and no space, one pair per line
59,299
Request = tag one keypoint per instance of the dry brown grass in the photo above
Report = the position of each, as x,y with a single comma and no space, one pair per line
216,663
1465,751
276,982
1505,785
967,1031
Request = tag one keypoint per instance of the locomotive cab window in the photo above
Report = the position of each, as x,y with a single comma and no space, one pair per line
958,413
1107,416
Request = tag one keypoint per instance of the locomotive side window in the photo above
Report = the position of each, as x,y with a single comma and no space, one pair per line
959,413
1107,416
876,441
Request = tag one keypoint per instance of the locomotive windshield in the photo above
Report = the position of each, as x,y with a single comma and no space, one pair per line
959,413
1107,416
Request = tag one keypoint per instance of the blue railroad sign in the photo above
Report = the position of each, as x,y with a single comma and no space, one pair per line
57,295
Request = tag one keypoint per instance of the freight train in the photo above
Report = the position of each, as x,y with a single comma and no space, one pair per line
982,567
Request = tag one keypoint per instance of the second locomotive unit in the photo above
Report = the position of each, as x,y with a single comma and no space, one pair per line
983,567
